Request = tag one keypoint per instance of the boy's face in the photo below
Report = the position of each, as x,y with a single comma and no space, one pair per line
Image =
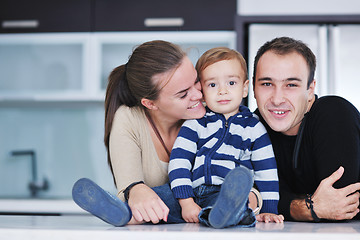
224,86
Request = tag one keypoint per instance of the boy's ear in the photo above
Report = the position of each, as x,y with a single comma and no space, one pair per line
246,88
149,104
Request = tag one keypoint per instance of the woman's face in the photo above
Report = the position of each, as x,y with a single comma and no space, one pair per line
181,97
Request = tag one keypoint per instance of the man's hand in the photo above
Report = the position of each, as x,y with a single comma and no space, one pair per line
189,210
336,204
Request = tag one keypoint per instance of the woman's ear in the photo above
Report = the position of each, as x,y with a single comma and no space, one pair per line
149,104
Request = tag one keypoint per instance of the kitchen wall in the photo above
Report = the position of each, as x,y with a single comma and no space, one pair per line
52,84
67,142
304,7
52,89
55,58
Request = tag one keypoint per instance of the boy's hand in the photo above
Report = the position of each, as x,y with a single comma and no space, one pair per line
189,210
270,217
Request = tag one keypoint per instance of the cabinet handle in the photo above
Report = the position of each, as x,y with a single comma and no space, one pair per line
164,22
20,24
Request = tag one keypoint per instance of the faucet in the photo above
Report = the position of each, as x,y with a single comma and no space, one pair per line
34,186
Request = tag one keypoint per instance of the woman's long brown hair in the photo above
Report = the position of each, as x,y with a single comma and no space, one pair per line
131,82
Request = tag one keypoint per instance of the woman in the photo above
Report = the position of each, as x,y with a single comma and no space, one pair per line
147,100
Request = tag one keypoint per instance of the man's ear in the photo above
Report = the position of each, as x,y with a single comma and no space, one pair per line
149,104
253,86
311,89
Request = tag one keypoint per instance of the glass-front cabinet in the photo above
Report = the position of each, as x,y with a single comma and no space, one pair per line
39,67
52,89
115,49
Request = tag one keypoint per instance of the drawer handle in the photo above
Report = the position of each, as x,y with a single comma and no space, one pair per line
164,22
20,24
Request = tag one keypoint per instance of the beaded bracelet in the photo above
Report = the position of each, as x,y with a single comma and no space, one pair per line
309,205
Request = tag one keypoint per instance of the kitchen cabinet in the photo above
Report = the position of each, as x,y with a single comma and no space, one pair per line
35,67
115,48
73,67
161,15
24,16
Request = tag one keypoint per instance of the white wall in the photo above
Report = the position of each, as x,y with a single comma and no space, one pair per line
300,7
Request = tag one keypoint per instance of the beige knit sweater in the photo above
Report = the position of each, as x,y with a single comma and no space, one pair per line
132,152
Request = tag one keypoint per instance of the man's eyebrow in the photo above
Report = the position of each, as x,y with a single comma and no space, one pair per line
294,79
285,80
265,79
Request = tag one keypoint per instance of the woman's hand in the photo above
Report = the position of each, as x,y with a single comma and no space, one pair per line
270,217
336,204
146,205
189,210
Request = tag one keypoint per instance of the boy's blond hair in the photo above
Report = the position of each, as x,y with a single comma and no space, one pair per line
217,54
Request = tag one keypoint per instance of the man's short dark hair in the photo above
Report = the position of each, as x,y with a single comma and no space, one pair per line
286,45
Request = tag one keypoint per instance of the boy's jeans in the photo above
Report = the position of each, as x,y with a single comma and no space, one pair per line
205,197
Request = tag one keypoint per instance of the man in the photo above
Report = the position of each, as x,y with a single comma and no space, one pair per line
316,141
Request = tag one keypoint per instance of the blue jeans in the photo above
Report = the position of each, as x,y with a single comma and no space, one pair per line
206,196
166,195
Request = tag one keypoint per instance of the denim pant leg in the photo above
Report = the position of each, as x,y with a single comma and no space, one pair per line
165,193
245,217
206,197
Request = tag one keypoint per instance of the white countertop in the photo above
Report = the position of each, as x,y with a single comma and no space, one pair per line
89,227
40,206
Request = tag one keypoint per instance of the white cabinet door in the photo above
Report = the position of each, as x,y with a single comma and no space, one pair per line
75,67
114,49
38,65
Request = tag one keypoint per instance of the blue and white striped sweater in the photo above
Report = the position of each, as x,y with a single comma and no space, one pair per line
207,149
